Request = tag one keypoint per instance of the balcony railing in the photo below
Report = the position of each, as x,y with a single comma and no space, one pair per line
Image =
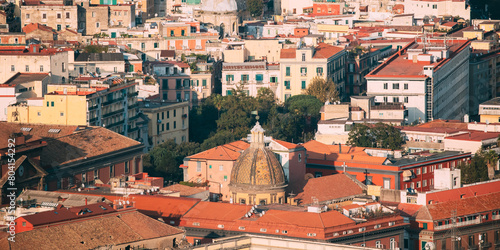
459,224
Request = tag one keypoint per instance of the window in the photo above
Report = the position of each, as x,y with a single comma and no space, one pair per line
259,77
12,68
417,171
67,15
229,78
395,86
225,177
52,104
385,98
204,82
244,78
385,85
97,25
198,166
39,113
221,167
287,84
44,15
242,201
395,99
183,32
424,183
93,13
127,168
27,68
471,240
406,86
175,124
303,84
424,170
61,114
405,99
303,57
59,15
303,71
112,171
378,244
265,230
175,113
319,71
41,68
424,225
27,16
287,71
155,45
418,184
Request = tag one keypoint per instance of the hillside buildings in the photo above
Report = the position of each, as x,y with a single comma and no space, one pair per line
299,66
430,76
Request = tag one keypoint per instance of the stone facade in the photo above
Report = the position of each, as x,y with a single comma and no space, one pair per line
54,16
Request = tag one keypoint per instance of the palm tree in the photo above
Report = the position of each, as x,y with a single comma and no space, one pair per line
491,158
218,103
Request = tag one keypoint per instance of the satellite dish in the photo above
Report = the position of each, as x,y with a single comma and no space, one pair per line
430,246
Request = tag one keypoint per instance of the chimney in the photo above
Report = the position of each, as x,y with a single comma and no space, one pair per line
85,201
340,148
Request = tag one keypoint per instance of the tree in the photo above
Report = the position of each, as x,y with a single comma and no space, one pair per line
237,113
219,138
476,170
255,7
95,49
379,136
203,119
491,158
266,99
324,90
165,159
360,136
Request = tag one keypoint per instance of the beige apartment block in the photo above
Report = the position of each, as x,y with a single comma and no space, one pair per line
58,17
167,121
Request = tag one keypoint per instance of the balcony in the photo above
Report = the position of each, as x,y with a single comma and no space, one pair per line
303,74
133,94
495,217
459,224
113,113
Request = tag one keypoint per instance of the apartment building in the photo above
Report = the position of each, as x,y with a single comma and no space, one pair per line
422,8
361,62
97,63
337,119
35,60
430,76
298,66
176,81
57,15
167,121
251,76
20,87
110,103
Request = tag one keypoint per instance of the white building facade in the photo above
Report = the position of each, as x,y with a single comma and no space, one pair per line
431,78
252,76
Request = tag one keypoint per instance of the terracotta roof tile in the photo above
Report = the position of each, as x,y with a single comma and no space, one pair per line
226,152
408,210
288,145
324,50
103,231
322,189
183,189
287,53
464,192
90,142
217,211
473,135
36,26
467,206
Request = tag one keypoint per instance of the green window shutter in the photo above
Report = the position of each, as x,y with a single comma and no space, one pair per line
303,84
204,82
259,77
287,71
229,92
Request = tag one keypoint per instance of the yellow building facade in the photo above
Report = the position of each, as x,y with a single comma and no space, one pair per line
52,109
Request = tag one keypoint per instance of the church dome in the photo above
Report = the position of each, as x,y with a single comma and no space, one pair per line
219,6
257,167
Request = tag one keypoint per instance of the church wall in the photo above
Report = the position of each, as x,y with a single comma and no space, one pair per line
257,198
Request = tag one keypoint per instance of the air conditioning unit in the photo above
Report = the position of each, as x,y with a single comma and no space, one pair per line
159,121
